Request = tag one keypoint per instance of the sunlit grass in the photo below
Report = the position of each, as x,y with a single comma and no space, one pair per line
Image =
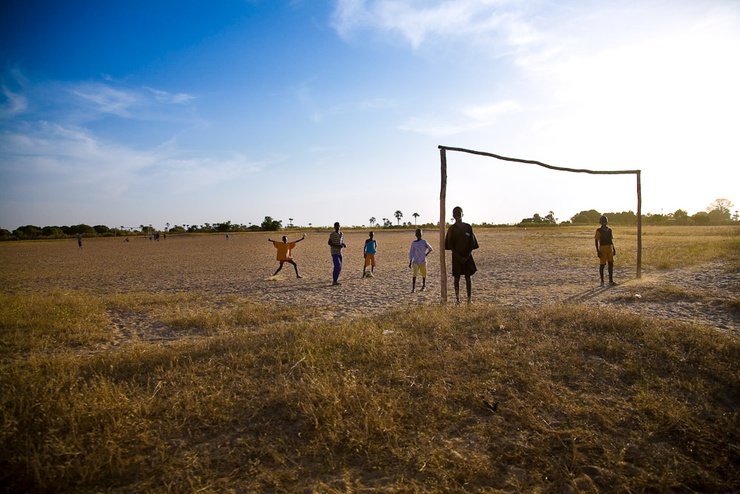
587,400
682,247
46,321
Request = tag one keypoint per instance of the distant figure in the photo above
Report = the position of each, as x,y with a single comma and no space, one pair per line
284,253
604,242
368,252
79,241
461,241
418,253
227,236
125,240
336,244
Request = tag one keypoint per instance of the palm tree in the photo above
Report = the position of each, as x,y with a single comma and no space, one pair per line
372,221
415,215
398,215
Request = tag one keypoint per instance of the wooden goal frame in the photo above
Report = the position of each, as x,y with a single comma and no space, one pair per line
443,198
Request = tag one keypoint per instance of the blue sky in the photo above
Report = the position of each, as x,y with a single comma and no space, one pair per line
125,113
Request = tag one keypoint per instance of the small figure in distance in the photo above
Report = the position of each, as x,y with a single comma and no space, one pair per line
79,241
284,253
461,241
368,252
336,244
604,242
418,253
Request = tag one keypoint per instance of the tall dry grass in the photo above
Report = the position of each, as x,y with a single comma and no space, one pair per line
585,401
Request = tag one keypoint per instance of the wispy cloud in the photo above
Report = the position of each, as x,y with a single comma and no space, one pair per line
423,21
469,118
13,104
56,161
486,113
105,99
169,98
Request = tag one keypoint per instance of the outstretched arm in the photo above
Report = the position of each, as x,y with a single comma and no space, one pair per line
303,237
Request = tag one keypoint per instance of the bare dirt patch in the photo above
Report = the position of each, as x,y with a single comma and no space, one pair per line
517,268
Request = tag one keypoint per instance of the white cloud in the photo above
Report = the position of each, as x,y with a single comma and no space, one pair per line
422,21
108,100
486,113
15,103
169,98
469,118
53,160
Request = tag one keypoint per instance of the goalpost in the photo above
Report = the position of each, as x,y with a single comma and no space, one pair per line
443,197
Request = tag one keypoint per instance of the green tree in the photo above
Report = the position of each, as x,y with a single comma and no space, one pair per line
52,231
718,217
415,215
81,229
681,217
27,232
270,225
223,227
398,214
372,221
590,216
722,205
701,218
719,211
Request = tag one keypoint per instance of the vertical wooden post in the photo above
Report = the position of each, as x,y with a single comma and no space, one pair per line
442,215
639,226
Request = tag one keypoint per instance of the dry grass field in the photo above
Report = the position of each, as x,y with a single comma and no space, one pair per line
183,365
517,268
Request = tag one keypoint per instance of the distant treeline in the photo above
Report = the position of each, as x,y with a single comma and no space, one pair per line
717,214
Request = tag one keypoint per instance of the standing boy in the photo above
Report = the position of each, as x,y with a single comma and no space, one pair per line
418,253
336,244
461,241
284,253
604,241
371,247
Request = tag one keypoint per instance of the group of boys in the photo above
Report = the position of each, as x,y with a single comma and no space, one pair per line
459,239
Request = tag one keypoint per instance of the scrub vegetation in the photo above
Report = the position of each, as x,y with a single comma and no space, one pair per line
188,390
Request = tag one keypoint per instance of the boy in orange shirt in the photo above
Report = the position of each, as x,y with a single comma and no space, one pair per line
284,253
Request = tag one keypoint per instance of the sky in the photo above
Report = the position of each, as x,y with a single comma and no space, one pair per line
129,113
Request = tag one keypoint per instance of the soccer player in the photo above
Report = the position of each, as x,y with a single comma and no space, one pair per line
368,251
604,241
461,241
336,244
418,253
284,253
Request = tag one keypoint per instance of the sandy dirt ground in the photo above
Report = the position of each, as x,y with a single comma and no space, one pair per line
517,268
